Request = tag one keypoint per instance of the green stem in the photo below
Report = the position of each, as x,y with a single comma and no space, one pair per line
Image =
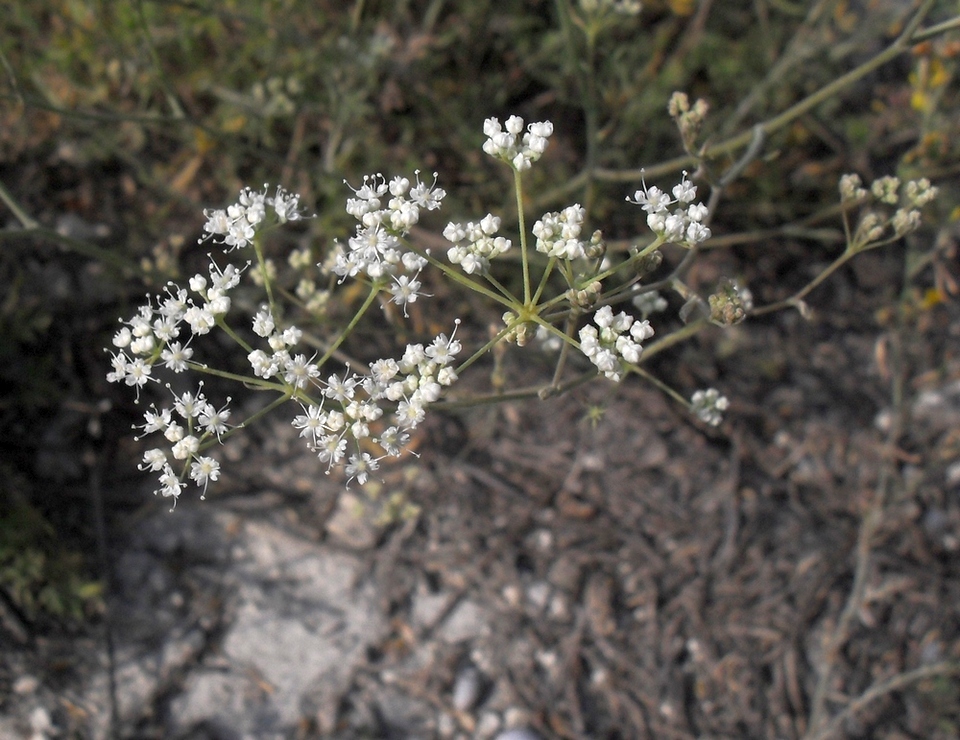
32,228
164,81
564,352
517,395
651,247
543,279
260,383
499,286
371,296
676,337
900,45
221,322
277,402
262,263
22,216
659,384
486,348
523,238
463,280
795,299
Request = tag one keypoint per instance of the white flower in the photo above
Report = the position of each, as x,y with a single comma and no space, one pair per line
475,244
412,357
558,234
376,249
186,447
189,405
137,372
409,414
360,467
427,196
335,421
154,460
262,364
201,320
122,338
286,205
612,339
119,364
291,336
263,324
173,432
213,421
509,146
156,421
684,225
709,406
311,422
217,222
443,350
393,440
340,389
299,371
170,485
204,470
331,449
405,290
383,371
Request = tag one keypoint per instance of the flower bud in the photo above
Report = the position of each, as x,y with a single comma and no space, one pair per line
596,247
730,304
585,297
648,263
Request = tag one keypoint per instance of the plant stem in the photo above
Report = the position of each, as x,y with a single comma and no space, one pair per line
676,337
371,296
521,225
262,263
900,45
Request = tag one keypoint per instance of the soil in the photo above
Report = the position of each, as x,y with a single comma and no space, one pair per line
624,574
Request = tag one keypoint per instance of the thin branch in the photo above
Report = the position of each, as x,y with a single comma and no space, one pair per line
899,46
879,690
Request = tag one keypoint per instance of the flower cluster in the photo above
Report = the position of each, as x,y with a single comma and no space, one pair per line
237,224
684,226
709,406
558,234
377,250
349,405
511,144
474,245
152,335
886,191
689,119
649,302
192,421
730,304
614,340
295,370
620,7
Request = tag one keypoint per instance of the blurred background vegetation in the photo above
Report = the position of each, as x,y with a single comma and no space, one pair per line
120,122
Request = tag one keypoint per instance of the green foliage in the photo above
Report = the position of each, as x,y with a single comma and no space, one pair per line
39,575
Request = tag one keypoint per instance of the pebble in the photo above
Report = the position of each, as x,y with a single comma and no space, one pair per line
488,724
518,733
26,685
538,593
466,689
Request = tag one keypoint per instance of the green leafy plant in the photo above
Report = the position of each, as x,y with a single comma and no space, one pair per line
41,577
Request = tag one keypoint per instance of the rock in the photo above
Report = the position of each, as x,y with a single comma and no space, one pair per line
467,688
467,621
349,527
